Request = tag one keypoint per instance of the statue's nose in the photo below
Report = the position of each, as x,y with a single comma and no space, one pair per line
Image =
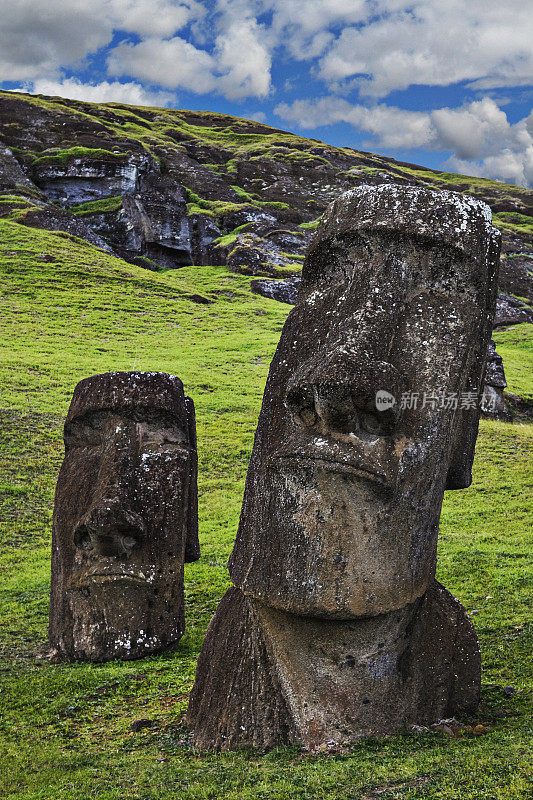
110,529
338,393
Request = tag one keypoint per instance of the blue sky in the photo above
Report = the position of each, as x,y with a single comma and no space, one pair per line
443,83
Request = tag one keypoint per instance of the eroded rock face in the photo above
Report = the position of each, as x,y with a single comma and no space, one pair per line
277,185
125,517
81,180
335,556
282,291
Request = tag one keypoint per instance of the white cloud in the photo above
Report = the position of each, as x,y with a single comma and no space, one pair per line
104,92
155,17
472,130
305,27
238,67
258,116
485,42
242,52
172,63
393,126
36,36
483,141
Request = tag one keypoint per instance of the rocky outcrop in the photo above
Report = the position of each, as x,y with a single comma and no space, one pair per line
164,189
511,311
12,176
91,175
282,291
171,188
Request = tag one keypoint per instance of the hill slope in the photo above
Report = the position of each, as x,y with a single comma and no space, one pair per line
71,306
165,188
69,309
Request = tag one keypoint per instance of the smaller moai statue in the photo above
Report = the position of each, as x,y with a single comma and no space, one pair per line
125,517
335,627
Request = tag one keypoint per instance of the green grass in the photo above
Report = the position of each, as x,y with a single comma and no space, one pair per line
103,206
14,207
515,345
56,156
65,727
230,238
199,205
13,200
511,221
310,226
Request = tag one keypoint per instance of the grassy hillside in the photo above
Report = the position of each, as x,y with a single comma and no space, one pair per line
68,310
246,194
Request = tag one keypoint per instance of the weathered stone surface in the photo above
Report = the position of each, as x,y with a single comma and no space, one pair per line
511,311
238,699
493,403
12,176
87,178
266,677
335,604
342,502
125,517
51,218
282,291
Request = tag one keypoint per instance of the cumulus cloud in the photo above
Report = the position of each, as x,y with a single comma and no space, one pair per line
392,126
104,92
36,36
508,156
482,139
173,63
305,27
485,42
242,52
238,67
155,17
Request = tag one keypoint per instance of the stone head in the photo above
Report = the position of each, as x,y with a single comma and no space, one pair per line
125,516
343,496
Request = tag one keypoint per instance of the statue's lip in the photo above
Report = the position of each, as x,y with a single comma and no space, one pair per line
333,465
99,578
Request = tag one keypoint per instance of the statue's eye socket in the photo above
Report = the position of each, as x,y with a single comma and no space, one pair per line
307,416
370,423
129,542
86,543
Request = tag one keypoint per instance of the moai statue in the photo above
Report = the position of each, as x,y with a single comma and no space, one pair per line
125,517
335,627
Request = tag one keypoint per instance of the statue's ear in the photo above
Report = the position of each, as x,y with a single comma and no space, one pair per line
462,452
192,544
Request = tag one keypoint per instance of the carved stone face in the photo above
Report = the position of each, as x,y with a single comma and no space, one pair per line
342,501
125,517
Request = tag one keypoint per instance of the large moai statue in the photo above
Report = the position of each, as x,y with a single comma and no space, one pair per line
335,627
125,517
